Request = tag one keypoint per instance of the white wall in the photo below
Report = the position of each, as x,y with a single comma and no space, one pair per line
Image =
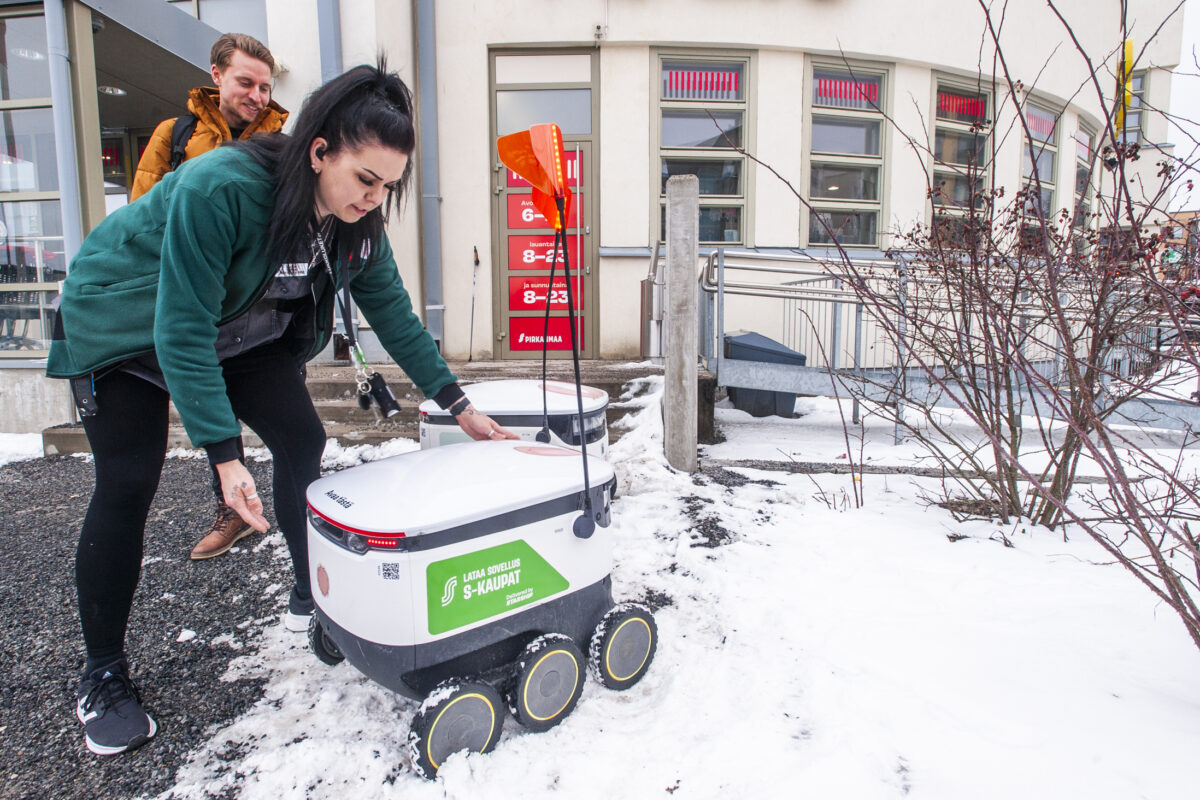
292,31
369,28
915,41
31,402
626,142
627,180
778,141
909,142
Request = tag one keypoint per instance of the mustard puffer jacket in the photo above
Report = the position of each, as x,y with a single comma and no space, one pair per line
211,132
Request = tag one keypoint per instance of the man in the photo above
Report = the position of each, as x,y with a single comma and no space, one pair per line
239,107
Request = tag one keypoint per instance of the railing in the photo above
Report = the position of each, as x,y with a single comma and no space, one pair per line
653,286
794,299
819,317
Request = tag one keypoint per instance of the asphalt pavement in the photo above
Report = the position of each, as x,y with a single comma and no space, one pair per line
226,601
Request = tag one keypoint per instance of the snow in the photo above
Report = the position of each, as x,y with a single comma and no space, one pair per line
808,648
20,446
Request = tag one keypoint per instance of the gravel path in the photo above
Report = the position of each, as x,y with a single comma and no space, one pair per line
226,601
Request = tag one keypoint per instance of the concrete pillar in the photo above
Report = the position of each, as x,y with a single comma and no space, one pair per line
679,322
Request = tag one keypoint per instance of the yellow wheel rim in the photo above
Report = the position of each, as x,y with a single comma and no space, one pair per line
442,713
532,672
613,638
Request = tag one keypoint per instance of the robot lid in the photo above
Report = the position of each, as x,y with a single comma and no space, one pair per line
445,487
525,397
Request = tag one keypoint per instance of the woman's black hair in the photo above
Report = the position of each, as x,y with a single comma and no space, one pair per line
364,105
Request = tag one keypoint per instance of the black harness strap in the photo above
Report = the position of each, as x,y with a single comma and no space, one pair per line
185,126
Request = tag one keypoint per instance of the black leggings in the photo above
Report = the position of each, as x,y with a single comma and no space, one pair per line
129,437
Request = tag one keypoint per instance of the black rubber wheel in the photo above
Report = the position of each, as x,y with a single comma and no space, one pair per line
458,715
623,645
322,645
547,681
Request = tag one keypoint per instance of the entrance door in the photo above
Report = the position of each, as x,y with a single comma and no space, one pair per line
525,260
533,88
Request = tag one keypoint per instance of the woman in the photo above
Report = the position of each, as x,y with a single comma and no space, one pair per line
213,290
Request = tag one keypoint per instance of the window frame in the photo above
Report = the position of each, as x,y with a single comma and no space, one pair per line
25,290
744,106
1050,146
1084,163
947,212
1136,106
855,70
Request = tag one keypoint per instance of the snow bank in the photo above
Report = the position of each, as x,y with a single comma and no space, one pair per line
19,447
808,649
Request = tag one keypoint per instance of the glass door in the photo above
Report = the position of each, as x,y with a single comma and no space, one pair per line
533,88
526,257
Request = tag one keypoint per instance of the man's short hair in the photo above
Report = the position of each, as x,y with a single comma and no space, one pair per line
222,50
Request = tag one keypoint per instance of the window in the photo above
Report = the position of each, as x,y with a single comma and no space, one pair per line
1038,158
702,123
1131,132
1116,247
1085,142
960,161
31,242
846,156
521,109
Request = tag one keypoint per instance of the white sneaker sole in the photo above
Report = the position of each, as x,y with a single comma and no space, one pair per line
104,750
296,623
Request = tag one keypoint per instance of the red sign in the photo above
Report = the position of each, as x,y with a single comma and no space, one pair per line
570,162
525,333
528,293
530,251
523,214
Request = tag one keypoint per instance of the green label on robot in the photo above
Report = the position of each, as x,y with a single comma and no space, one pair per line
483,584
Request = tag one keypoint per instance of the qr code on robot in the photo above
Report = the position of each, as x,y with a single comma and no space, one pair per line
389,572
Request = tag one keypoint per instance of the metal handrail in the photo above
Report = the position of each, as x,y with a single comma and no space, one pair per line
798,290
872,352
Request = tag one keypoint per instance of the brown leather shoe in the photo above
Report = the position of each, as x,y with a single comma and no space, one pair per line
226,530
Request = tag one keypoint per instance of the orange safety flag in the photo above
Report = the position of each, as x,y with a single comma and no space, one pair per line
537,156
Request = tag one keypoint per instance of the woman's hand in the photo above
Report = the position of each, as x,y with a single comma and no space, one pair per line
481,427
238,489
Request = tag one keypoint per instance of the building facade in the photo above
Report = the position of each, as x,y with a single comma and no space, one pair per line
807,123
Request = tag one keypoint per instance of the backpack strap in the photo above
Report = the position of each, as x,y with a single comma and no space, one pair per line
185,125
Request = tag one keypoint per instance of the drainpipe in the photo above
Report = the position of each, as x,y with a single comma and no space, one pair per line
329,52
431,201
63,117
329,38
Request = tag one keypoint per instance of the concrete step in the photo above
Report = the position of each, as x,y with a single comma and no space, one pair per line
337,382
342,412
334,382
70,439
332,387
346,411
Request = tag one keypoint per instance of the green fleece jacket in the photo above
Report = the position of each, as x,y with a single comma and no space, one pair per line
162,273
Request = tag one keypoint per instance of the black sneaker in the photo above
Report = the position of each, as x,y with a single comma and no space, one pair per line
110,708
